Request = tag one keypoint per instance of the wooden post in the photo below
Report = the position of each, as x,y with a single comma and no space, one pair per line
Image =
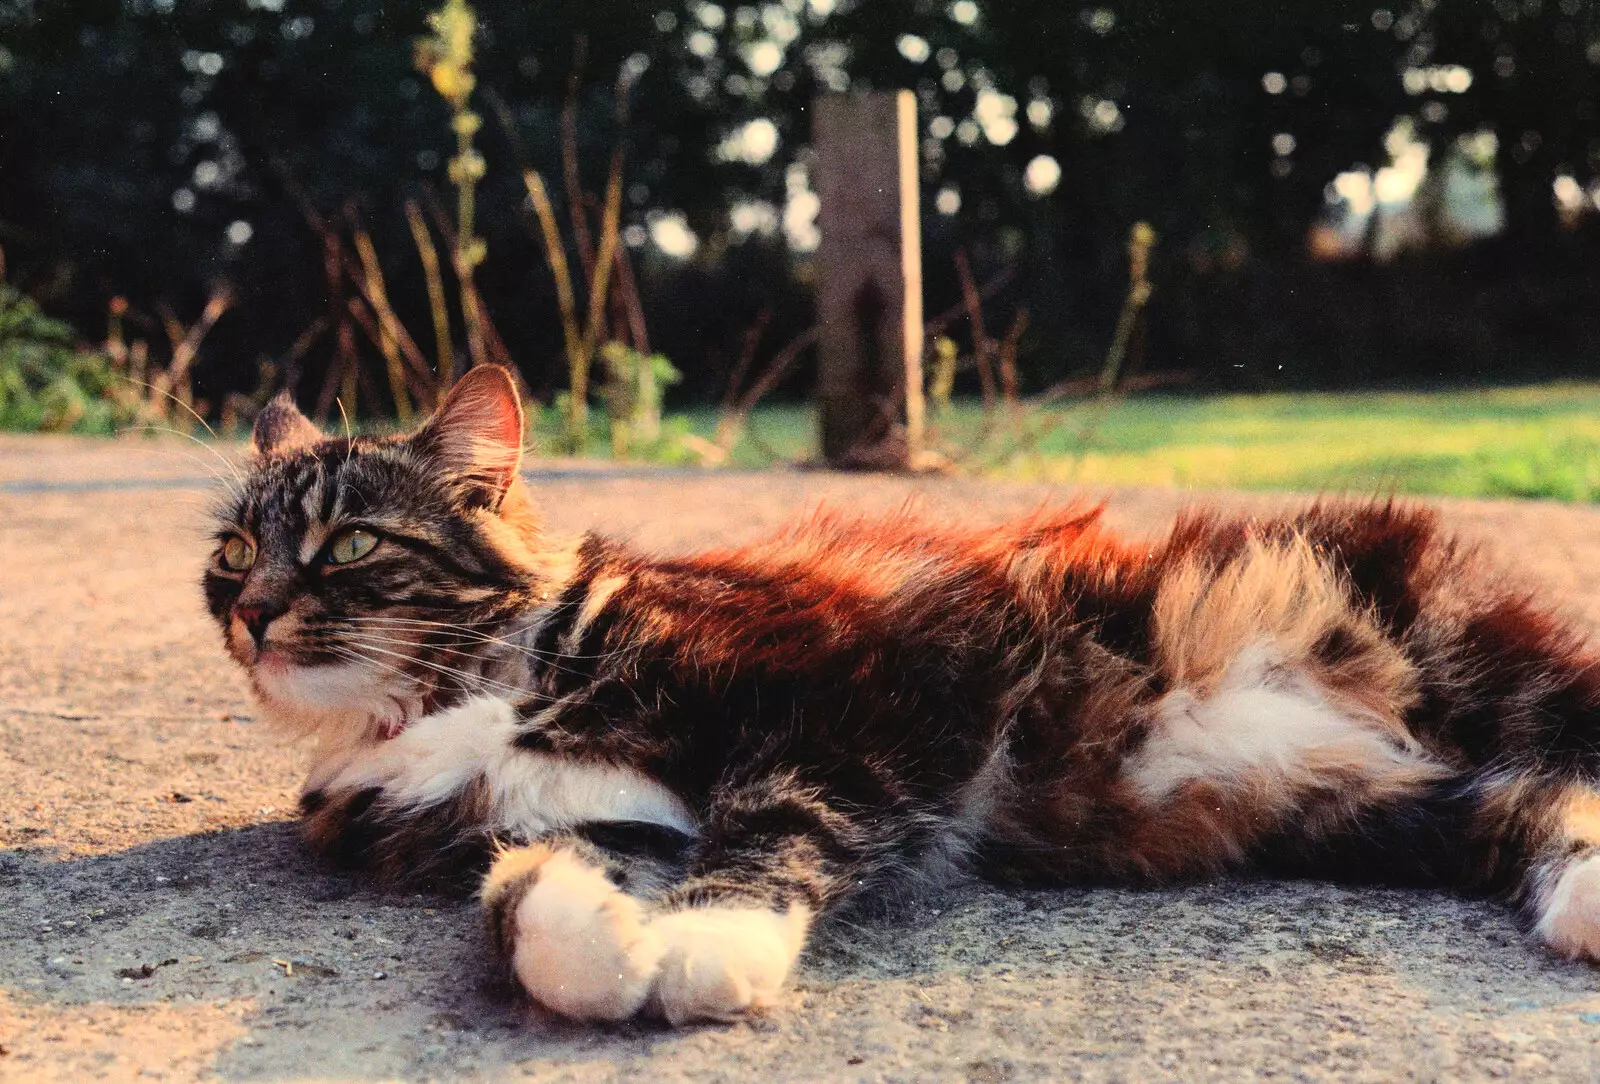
869,293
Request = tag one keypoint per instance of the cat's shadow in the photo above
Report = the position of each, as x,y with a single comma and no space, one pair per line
340,978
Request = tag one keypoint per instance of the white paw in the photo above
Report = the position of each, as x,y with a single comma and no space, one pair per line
719,962
582,948
1570,922
586,950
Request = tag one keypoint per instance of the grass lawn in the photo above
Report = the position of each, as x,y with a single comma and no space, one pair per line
1508,442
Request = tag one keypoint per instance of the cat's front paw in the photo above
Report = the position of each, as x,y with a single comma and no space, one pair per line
577,945
391,717
719,962
584,949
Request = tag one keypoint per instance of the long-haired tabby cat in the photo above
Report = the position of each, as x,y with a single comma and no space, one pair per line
662,772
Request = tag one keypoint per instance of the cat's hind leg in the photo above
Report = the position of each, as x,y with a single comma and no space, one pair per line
1559,892
1269,705
1533,841
1515,690
1511,699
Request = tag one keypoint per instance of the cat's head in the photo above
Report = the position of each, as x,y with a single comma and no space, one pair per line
355,580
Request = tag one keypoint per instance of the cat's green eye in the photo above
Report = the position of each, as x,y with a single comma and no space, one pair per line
351,546
238,554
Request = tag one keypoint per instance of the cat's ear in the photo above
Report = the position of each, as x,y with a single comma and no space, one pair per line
280,427
476,434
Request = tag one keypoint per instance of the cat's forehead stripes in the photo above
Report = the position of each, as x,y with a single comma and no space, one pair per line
311,500
315,536
308,495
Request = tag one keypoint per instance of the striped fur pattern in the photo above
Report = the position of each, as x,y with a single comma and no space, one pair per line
660,773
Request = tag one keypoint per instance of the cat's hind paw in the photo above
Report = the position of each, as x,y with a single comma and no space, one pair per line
1569,920
576,944
719,962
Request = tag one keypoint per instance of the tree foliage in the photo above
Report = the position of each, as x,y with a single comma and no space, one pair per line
135,135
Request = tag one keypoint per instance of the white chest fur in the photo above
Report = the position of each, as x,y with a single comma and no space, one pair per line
529,792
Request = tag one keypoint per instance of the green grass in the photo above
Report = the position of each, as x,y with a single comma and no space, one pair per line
1511,442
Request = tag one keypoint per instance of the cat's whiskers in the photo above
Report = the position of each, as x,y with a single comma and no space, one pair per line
450,671
351,654
461,644
548,661
479,637
235,485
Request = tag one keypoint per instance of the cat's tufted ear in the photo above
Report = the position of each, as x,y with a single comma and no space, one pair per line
280,427
476,435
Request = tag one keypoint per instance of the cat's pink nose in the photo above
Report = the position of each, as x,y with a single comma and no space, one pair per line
256,618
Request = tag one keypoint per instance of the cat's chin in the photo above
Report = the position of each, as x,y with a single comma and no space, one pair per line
337,704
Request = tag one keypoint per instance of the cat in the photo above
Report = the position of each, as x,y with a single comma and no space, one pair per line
660,773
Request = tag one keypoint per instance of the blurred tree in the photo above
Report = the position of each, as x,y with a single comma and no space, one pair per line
159,149
1535,78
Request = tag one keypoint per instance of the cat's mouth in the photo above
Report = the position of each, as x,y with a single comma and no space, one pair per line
336,695
272,661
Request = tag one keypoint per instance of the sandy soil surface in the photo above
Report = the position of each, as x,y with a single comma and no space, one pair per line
158,918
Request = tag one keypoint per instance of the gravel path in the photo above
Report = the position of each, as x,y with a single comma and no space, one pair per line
158,917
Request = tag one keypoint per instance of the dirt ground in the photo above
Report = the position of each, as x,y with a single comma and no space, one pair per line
158,918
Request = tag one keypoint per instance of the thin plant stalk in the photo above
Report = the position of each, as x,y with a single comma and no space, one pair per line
578,378
186,347
556,253
980,340
139,361
734,421
599,279
116,344
1141,239
941,323
1008,360
429,256
625,291
627,294
494,347
747,357
350,383
284,370
375,331
569,159
344,355
421,376
374,288
605,258
447,58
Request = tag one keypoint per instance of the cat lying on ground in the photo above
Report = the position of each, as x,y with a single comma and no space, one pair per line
660,773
